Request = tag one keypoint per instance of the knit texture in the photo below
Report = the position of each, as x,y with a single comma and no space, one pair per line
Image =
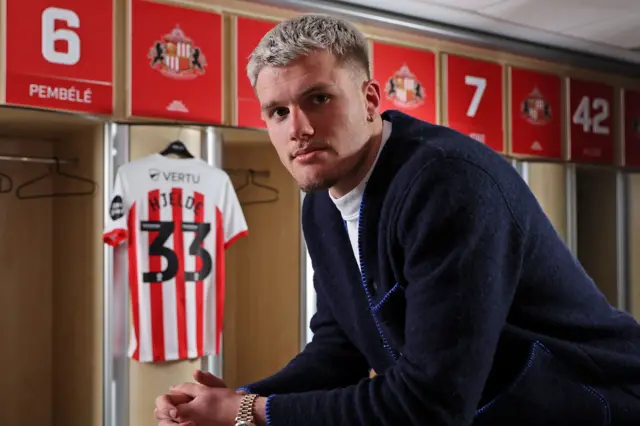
470,306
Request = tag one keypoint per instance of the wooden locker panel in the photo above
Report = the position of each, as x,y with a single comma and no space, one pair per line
596,212
548,183
633,234
78,286
26,291
51,259
262,325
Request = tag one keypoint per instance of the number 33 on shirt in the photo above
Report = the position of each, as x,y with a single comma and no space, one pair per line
177,217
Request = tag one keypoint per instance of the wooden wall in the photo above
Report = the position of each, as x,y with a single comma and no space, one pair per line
597,219
78,287
548,183
51,291
262,325
26,293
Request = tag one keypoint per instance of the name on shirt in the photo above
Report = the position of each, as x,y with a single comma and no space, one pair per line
175,199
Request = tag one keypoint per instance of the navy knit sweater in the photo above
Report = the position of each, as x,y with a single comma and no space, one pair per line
469,307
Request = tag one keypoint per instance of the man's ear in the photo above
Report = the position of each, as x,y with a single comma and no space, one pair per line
372,97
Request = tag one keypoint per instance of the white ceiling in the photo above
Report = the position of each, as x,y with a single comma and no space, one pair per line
603,27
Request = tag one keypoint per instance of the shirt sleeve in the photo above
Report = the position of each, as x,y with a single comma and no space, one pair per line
233,220
115,231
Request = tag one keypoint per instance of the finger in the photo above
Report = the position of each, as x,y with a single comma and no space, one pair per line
177,398
208,379
166,405
172,423
161,414
190,389
170,414
185,414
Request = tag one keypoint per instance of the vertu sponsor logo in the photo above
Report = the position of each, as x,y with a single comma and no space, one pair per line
174,177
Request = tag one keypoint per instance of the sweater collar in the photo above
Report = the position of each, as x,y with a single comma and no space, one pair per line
349,204
407,135
394,154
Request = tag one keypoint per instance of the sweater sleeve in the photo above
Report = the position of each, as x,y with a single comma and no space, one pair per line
463,251
329,361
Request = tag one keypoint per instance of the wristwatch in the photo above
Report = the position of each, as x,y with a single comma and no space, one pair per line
245,412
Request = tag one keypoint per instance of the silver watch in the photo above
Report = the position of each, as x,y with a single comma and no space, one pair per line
245,412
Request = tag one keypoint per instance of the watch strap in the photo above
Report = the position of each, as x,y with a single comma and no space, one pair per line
245,411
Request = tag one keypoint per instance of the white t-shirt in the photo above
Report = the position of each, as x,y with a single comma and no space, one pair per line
349,204
177,217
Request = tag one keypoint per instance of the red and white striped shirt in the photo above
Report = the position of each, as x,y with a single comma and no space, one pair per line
177,217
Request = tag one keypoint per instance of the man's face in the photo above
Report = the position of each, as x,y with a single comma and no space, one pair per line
317,117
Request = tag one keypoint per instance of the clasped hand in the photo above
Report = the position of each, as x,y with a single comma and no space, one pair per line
206,403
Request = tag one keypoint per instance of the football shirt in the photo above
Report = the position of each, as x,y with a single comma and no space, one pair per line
177,217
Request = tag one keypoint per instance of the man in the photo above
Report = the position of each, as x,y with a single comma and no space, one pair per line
434,265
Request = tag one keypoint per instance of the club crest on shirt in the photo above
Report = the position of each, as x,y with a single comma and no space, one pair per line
404,89
535,109
177,56
116,209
